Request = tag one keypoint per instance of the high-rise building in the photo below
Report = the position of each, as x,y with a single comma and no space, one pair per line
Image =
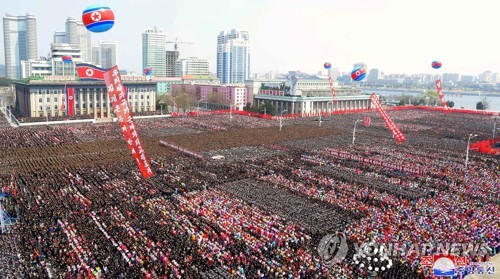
451,77
108,54
233,56
59,37
172,57
154,51
375,74
486,76
79,37
96,55
20,42
191,66
61,68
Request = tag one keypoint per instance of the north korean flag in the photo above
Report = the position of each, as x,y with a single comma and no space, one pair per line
70,100
90,72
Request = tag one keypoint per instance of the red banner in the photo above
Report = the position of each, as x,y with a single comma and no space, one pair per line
441,96
367,121
332,89
121,109
70,97
397,134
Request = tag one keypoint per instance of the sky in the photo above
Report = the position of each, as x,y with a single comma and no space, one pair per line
396,36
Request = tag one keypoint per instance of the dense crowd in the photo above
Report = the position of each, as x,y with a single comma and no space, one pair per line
84,215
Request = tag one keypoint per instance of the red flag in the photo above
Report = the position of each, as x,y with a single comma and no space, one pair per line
90,72
70,97
396,133
368,121
441,96
121,109
332,89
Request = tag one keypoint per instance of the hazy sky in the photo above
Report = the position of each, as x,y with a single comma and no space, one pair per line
396,36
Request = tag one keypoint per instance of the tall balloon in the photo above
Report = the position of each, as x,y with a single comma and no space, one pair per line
98,18
436,64
327,65
358,74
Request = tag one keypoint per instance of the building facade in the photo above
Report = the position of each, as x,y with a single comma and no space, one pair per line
214,94
164,85
171,58
36,68
154,43
53,65
37,98
233,56
108,54
79,37
191,66
20,42
59,37
309,96
96,55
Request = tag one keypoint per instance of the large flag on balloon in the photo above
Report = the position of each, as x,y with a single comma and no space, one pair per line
127,126
88,72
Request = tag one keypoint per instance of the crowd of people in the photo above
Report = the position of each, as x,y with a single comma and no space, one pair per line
85,212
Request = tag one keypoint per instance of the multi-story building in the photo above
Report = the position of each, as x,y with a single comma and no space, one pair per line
192,79
234,96
53,65
374,75
233,56
191,66
79,37
36,98
468,79
36,68
59,37
486,76
164,85
451,77
154,42
96,55
61,68
171,58
108,54
20,42
309,96
253,86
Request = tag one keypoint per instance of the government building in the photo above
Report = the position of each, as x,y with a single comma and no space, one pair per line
39,98
306,96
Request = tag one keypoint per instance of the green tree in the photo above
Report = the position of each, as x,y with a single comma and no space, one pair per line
6,82
486,103
479,106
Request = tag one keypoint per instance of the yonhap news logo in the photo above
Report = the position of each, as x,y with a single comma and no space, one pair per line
332,249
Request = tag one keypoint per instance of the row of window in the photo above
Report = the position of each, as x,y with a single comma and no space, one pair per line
41,108
40,100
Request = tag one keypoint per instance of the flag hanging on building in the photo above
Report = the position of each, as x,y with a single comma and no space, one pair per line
88,72
70,100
